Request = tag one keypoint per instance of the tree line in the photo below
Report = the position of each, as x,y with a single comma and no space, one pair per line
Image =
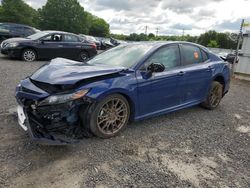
70,16
64,15
211,39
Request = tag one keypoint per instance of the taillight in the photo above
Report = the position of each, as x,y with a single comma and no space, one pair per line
93,45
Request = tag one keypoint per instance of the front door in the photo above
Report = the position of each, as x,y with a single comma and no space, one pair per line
51,47
160,91
72,46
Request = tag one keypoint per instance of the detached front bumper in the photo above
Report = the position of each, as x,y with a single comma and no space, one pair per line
53,124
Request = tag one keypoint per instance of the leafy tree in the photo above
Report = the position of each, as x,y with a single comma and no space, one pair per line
99,27
65,15
17,11
133,37
143,37
205,38
1,10
151,36
119,36
213,44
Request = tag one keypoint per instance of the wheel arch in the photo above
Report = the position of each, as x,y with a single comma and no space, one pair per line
86,51
219,78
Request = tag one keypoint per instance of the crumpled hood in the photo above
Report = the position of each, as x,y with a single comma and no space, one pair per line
64,71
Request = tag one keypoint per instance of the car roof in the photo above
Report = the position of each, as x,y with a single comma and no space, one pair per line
62,32
157,44
9,23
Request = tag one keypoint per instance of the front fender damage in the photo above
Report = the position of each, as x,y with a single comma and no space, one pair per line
59,124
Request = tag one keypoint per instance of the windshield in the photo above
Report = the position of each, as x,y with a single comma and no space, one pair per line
122,56
38,35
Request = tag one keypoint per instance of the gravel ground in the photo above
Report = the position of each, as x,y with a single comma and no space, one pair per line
189,148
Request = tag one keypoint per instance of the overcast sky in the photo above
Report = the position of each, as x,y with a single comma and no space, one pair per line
169,16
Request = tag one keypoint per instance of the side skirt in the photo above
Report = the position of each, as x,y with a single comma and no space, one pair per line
168,110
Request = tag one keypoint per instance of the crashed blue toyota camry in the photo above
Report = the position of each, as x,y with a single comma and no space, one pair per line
66,100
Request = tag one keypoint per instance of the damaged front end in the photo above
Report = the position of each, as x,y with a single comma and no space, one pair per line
49,118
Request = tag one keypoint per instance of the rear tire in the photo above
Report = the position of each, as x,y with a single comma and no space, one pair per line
214,96
29,55
83,56
110,116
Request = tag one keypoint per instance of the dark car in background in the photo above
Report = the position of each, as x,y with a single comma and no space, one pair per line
105,43
91,39
49,45
10,30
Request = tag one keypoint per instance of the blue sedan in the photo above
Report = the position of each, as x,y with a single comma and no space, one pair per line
66,100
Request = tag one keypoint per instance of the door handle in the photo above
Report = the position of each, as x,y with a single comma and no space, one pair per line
209,68
60,46
181,73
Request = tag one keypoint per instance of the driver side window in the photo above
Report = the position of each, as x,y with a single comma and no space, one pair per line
53,38
169,56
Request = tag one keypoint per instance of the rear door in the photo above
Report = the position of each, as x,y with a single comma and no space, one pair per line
71,46
196,74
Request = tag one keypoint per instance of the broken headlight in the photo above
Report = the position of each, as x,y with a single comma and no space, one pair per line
59,99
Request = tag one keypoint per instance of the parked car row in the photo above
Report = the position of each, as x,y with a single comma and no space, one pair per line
102,43
49,45
29,44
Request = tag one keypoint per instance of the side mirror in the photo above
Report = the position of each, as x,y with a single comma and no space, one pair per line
156,67
231,58
41,41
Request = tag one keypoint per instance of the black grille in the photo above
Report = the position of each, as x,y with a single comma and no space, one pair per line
29,91
50,88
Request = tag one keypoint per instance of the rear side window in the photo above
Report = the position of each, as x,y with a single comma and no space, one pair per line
4,28
15,29
204,56
190,54
70,38
27,31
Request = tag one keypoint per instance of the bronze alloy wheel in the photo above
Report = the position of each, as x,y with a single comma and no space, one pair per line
112,116
215,96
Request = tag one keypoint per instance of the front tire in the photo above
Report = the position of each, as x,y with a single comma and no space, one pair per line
214,96
110,116
29,55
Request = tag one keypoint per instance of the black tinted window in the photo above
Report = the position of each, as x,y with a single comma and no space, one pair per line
15,29
70,38
53,38
169,56
27,31
190,54
204,55
4,27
